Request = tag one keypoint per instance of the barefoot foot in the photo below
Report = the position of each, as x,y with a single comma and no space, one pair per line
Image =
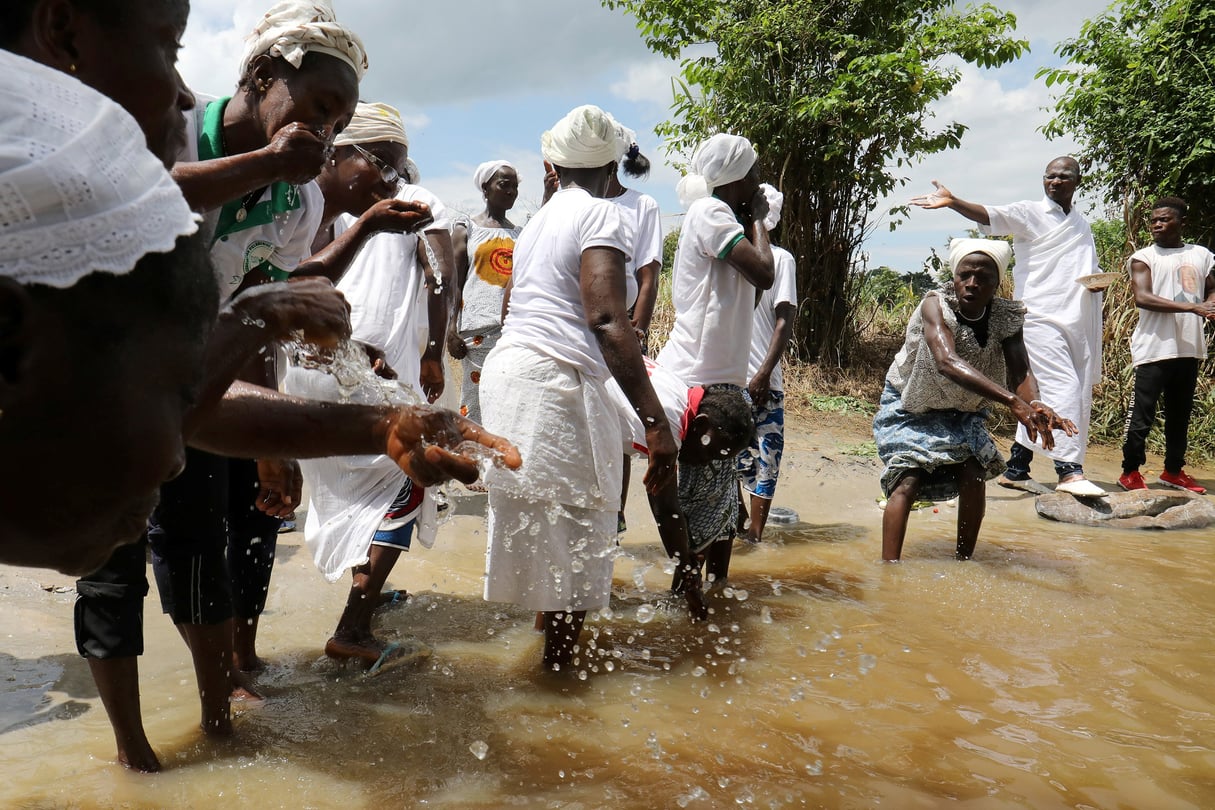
138,756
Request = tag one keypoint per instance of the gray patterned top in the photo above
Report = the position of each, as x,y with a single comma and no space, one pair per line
914,371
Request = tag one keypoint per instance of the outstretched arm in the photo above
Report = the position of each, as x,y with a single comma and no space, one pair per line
429,444
394,216
943,198
253,320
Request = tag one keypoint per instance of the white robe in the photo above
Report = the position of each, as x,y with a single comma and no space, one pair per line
1063,319
350,494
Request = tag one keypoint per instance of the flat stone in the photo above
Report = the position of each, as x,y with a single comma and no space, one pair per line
1141,509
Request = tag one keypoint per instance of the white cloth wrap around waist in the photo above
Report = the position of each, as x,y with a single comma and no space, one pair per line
551,523
349,494
563,423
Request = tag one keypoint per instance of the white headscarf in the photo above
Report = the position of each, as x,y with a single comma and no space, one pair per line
718,161
373,122
79,190
1000,251
776,201
585,138
292,28
487,170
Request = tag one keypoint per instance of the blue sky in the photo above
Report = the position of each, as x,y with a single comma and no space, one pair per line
481,79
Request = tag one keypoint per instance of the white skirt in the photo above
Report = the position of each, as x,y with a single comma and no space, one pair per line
552,524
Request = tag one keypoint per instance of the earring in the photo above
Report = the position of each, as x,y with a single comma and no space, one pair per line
72,67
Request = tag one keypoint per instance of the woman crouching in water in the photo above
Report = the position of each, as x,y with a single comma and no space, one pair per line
930,427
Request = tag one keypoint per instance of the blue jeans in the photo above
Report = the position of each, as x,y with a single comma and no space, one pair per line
1020,456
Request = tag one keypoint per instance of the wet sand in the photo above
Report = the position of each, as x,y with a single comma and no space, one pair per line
1062,667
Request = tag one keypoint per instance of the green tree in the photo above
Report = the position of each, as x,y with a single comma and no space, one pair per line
1140,98
835,94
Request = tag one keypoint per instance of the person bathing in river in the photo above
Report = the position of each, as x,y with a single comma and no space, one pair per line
722,264
709,423
363,510
552,525
963,345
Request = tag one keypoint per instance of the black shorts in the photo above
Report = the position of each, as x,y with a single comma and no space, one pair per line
109,605
188,533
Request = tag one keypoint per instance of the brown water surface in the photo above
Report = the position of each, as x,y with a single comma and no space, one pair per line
1062,667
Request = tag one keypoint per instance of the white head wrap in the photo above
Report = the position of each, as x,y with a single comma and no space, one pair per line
373,122
292,28
998,250
79,190
776,201
487,170
718,161
586,138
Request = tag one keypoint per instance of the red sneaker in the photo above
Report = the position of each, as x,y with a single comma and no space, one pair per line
1131,481
1180,480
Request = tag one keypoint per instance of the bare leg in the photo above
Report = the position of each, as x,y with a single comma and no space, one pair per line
561,630
759,518
244,645
211,648
972,505
117,682
717,561
353,637
894,520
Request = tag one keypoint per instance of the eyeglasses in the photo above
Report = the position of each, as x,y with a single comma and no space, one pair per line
388,174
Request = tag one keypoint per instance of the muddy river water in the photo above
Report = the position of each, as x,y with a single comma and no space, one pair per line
1062,667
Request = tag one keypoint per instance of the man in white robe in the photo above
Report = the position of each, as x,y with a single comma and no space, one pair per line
1054,247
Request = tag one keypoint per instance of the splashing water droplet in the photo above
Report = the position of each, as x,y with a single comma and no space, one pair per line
706,441
866,663
479,749
765,615
645,613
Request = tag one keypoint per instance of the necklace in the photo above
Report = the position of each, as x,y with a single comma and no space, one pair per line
983,315
247,202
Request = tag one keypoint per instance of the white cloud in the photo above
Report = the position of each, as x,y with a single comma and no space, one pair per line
437,53
648,82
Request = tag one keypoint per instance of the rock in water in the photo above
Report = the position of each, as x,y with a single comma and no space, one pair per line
1141,509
